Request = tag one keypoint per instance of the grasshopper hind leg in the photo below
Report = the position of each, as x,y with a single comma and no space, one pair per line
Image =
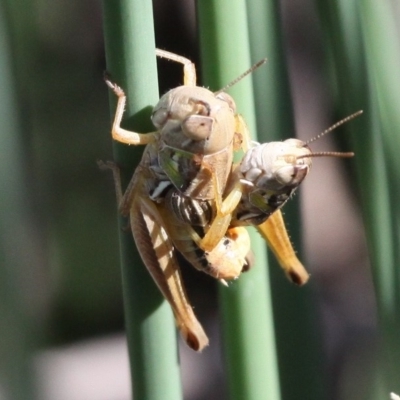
275,234
157,252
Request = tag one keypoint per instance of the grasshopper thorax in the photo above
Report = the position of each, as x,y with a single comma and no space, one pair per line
197,129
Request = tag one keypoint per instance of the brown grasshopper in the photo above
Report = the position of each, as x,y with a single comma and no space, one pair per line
191,154
198,131
184,194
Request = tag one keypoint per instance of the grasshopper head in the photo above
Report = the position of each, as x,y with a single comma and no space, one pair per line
195,120
276,165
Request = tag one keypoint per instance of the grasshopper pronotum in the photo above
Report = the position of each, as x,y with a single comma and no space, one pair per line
185,196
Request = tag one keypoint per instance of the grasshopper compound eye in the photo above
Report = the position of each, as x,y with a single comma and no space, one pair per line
291,175
159,116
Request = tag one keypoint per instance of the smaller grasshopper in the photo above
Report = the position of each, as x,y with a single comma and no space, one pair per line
270,173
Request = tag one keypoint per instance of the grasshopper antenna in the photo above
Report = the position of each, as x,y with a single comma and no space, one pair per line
337,154
240,77
334,126
330,129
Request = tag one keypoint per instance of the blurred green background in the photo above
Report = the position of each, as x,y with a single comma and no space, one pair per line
60,278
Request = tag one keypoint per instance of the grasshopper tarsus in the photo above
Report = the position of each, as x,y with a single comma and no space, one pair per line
297,279
113,86
106,165
106,75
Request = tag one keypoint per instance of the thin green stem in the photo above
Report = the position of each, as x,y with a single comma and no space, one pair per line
19,331
300,361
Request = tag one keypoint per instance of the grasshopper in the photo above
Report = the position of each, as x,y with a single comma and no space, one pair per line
270,173
189,154
273,171
198,131
186,196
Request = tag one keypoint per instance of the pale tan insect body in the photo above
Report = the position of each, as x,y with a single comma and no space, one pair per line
190,153
186,195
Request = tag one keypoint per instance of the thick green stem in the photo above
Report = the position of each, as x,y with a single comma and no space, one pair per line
247,318
131,61
300,361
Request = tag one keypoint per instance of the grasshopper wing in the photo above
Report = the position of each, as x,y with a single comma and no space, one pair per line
157,252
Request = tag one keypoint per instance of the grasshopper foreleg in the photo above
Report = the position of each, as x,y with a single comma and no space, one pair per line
223,218
225,207
189,69
122,135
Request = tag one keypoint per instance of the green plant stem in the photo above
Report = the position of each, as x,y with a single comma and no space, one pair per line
130,52
247,318
18,329
380,32
275,118
365,60
300,361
